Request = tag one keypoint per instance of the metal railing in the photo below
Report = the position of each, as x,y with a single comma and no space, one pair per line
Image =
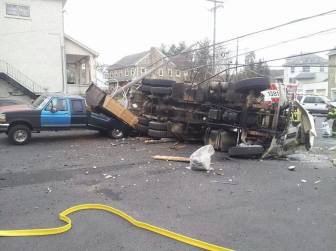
20,77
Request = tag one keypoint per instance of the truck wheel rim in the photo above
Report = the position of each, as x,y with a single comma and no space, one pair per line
20,136
117,133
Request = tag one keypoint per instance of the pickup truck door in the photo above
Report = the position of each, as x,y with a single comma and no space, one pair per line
79,116
56,113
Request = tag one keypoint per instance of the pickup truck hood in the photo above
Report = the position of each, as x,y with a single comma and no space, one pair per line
15,108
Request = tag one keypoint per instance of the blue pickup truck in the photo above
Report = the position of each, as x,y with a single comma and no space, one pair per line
56,113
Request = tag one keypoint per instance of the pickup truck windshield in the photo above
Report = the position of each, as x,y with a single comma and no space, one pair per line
40,102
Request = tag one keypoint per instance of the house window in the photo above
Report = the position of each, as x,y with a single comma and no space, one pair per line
161,73
132,71
120,73
292,69
178,73
170,72
17,10
306,69
143,70
321,68
126,72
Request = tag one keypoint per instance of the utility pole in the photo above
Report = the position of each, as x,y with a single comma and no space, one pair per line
217,4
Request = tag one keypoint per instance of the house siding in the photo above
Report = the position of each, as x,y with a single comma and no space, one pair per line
34,45
332,78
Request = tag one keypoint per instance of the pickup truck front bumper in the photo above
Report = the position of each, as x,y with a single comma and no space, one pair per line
4,127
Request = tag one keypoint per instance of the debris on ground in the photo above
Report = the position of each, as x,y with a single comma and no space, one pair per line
224,182
332,148
159,141
177,146
318,181
326,132
171,158
291,168
200,160
303,181
108,176
94,167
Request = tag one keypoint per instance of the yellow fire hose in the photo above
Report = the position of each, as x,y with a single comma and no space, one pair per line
64,217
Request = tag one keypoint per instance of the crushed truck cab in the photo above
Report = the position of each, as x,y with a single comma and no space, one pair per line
56,113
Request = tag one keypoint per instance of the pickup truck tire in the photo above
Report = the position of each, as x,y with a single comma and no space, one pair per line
257,84
161,90
158,82
159,126
116,134
19,134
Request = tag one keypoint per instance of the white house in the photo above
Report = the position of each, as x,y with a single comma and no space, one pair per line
36,55
309,73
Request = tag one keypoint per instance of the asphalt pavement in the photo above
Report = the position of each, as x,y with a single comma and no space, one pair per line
244,204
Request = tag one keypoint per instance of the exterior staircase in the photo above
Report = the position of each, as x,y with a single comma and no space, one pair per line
19,80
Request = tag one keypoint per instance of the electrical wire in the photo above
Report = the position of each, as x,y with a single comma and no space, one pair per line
262,62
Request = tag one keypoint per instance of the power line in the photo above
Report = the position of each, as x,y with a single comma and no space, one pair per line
263,62
248,34
269,46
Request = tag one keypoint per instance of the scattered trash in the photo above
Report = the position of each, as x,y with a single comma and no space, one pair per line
318,181
171,158
49,190
176,146
326,132
200,160
224,182
94,167
303,181
291,168
122,159
87,172
108,176
159,141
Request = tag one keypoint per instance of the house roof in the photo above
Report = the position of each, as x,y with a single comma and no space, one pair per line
332,52
306,60
305,75
93,52
129,60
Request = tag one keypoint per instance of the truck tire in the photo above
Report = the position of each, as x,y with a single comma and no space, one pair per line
158,134
116,134
158,82
143,121
257,84
247,151
142,128
161,90
145,88
19,135
159,126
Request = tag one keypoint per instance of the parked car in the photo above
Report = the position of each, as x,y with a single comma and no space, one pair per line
56,113
316,104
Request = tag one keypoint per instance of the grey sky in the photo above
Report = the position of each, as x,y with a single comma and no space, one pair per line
119,28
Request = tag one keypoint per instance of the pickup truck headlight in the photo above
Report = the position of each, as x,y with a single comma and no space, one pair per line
2,118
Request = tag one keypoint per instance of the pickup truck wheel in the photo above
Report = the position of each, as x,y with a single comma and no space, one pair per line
116,134
19,135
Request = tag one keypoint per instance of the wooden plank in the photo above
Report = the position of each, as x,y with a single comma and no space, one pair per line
171,158
119,111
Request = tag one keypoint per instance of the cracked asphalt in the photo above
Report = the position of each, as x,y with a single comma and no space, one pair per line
243,205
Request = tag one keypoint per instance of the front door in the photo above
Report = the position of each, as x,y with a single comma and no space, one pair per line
56,113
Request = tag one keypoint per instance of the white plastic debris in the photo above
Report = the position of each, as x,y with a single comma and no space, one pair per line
303,181
326,132
200,160
318,181
94,167
291,168
108,176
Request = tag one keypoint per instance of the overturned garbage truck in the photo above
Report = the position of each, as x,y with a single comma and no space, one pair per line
250,117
